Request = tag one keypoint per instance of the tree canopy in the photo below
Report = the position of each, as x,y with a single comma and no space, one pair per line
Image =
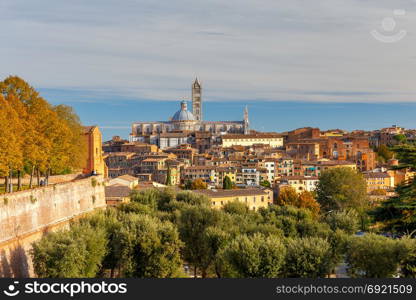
35,134
341,188
164,233
227,184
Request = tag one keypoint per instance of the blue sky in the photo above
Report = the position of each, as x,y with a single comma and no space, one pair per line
115,115
112,60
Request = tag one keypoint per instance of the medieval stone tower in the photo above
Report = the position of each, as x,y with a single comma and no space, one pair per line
196,100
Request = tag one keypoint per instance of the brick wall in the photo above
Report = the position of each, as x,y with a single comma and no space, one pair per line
25,216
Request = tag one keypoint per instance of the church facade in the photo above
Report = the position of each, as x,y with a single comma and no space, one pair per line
178,128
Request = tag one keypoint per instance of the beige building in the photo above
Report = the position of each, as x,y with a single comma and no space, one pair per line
299,183
379,181
121,163
117,194
273,139
315,168
125,180
95,161
206,173
254,198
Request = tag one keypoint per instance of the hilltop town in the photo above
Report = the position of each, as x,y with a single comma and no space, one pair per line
187,150
192,198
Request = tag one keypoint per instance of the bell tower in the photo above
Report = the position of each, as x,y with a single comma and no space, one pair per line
246,121
196,100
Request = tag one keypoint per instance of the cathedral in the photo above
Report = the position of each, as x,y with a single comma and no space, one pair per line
184,122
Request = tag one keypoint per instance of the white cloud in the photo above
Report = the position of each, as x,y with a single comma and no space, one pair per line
241,49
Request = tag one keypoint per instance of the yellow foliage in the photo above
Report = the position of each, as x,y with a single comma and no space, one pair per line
35,134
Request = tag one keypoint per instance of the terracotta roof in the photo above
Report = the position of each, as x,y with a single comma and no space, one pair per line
299,178
127,177
88,129
231,193
156,159
225,169
200,168
328,162
302,143
109,154
376,175
117,191
251,136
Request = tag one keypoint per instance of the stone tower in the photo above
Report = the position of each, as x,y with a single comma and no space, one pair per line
246,122
196,100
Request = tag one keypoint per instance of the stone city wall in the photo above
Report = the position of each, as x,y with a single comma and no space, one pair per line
26,216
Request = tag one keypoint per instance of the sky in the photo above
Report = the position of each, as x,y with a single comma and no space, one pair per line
132,60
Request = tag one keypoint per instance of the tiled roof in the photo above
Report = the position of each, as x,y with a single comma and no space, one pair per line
299,178
88,129
155,159
110,154
252,136
231,193
328,162
127,177
376,175
200,168
117,191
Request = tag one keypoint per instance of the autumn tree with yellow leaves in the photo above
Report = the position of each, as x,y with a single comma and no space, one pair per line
35,137
305,199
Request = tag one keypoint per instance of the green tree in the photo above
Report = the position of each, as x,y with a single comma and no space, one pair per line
307,257
406,154
408,254
192,198
384,153
398,214
342,188
192,223
107,220
169,177
214,240
236,207
373,256
346,220
255,256
227,184
74,253
400,138
265,183
148,197
188,185
148,247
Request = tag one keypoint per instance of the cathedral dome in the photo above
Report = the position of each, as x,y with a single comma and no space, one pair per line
183,114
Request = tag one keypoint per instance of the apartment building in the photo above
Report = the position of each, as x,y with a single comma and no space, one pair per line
254,198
